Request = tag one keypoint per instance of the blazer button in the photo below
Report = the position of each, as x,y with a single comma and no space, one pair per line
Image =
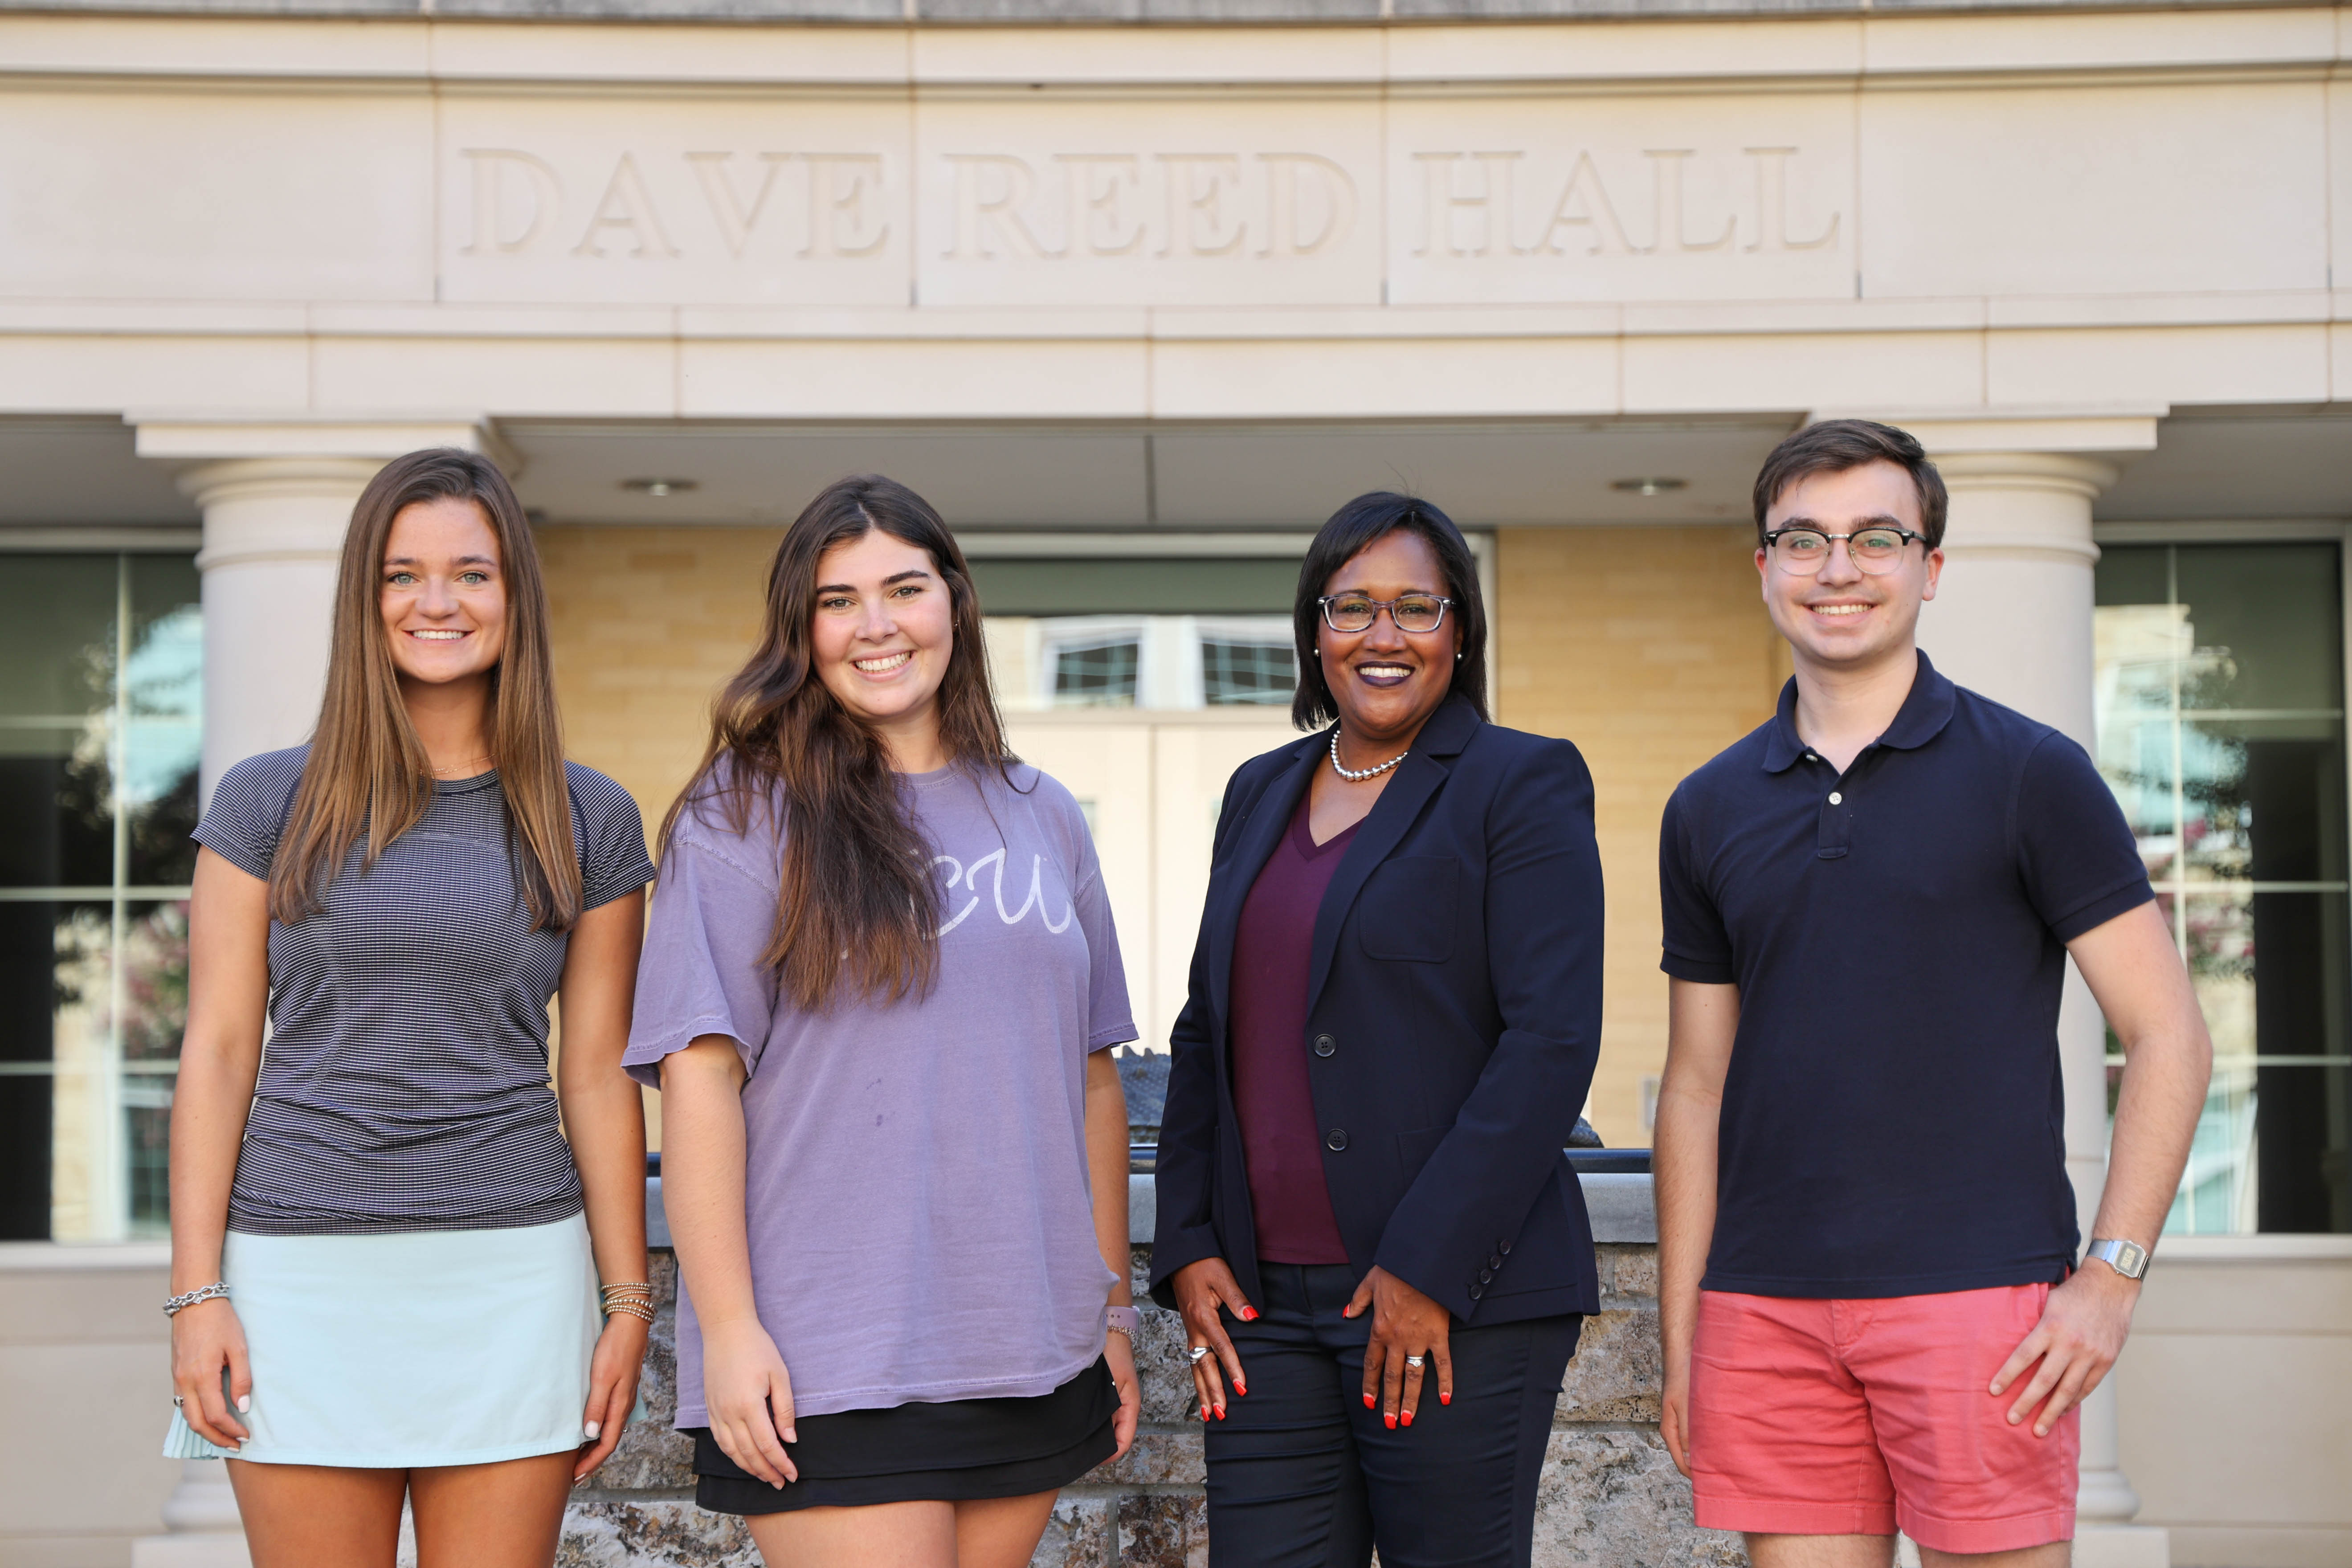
1325,1045
1336,1140
1486,1276
1504,1247
1477,1291
1496,1261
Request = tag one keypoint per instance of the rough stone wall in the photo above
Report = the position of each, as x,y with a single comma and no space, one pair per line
1609,1497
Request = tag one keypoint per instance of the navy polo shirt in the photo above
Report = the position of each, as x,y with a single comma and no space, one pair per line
1893,1122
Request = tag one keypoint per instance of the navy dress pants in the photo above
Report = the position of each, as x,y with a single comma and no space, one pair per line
1302,1476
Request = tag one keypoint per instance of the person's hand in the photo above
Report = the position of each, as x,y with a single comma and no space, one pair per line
206,1338
611,1389
1674,1412
1408,1331
748,1395
2081,1334
1119,1351
1202,1289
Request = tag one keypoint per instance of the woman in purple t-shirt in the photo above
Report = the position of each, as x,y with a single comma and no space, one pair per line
876,992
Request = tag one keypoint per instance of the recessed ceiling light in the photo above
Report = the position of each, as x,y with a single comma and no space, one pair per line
1656,487
661,487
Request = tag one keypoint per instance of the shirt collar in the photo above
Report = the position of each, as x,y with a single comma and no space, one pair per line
1924,712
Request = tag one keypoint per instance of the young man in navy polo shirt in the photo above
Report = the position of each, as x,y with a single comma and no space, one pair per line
1873,1314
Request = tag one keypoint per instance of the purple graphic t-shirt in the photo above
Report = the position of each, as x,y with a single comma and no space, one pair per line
915,1187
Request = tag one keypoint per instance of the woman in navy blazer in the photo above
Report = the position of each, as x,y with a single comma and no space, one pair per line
1394,1014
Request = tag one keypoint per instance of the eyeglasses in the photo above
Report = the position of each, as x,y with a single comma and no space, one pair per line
1412,612
1801,550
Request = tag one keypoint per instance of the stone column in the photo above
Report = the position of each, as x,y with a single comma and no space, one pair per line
2013,619
273,531
276,499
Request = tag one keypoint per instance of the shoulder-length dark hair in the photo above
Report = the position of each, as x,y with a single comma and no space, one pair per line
367,769
1354,528
859,908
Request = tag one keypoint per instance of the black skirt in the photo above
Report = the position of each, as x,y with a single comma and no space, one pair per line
960,1451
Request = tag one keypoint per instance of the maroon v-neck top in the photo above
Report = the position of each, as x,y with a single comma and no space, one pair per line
1281,1145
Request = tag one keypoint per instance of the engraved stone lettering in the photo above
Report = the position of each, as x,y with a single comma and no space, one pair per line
1200,223
627,206
842,185
1297,184
1773,204
500,175
735,220
1099,220
1583,203
1670,233
1491,203
991,189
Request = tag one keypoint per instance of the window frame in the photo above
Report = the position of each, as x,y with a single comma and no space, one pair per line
118,894
2285,531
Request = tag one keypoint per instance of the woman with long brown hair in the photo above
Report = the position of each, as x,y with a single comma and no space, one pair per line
876,992
387,1233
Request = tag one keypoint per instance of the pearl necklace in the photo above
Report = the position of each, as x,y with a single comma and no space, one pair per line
1368,772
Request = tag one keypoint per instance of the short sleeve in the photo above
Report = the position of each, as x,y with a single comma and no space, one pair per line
248,811
613,859
701,971
1697,944
2081,865
1110,1020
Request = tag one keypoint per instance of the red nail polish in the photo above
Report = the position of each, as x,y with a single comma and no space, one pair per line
1369,1402
1205,1412
1249,1315
1240,1388
1221,1413
1392,1422
1408,1418
1446,1399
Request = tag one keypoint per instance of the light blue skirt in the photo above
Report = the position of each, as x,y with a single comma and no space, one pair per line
421,1347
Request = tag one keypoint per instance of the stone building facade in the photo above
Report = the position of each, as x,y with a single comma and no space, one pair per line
1138,291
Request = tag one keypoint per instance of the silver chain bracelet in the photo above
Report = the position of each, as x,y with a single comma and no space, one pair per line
181,1303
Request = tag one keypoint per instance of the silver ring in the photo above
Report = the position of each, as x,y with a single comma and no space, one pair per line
175,1402
1413,1362
1196,1352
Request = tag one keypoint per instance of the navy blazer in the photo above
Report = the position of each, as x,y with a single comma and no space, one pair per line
1454,1019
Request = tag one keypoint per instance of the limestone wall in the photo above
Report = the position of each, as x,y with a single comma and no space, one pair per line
1610,1496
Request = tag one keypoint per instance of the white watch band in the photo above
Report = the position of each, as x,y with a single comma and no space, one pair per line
2129,1258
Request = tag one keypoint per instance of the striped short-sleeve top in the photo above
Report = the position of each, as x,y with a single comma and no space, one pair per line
405,1083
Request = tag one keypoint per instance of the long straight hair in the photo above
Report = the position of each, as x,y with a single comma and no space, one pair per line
858,910
367,769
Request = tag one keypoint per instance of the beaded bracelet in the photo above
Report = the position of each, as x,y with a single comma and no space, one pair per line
217,1291
636,1300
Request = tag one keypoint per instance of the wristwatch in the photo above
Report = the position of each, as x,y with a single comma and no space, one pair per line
2129,1258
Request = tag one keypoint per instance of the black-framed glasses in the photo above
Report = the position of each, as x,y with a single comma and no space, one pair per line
1801,550
1412,612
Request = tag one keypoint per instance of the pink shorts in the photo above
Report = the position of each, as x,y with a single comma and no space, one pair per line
1816,1417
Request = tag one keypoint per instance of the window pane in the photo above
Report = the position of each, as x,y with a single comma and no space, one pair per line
57,671
165,694
1247,672
2266,618
153,1016
1102,676
27,961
